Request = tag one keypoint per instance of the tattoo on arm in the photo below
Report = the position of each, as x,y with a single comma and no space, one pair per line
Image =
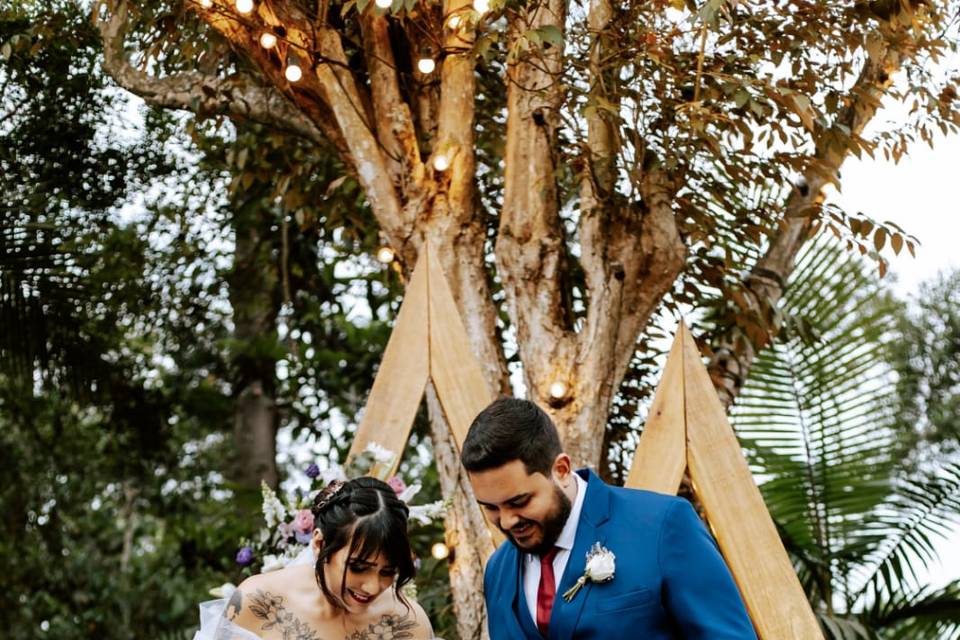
235,605
269,608
390,627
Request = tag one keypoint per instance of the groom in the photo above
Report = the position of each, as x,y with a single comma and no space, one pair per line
656,572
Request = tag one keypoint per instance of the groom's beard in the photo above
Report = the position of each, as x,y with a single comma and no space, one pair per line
551,526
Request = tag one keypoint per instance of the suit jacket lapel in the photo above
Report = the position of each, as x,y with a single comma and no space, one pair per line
596,512
512,598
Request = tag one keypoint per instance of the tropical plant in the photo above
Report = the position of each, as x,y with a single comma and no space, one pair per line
927,361
818,417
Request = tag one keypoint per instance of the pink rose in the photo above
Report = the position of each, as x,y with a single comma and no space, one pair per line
396,483
303,522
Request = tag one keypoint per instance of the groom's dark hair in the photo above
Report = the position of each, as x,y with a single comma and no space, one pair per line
511,429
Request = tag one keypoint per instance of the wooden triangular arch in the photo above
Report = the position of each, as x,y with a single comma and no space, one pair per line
428,342
687,428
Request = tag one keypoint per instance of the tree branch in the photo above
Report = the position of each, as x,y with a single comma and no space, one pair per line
530,249
734,353
200,93
394,123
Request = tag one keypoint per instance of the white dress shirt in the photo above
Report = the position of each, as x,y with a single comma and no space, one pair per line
531,563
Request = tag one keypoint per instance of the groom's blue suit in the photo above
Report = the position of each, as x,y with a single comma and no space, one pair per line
670,582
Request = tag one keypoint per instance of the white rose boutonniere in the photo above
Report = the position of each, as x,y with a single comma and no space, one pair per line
601,566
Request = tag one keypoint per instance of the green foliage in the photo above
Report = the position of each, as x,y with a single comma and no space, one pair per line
819,419
927,361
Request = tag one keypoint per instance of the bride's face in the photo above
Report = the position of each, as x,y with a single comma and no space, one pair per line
363,579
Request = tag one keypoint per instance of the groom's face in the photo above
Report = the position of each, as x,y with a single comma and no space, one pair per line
530,509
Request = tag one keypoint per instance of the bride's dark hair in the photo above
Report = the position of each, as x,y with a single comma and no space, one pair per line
366,514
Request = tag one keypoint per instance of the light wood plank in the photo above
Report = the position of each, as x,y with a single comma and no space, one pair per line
737,514
454,368
661,455
398,388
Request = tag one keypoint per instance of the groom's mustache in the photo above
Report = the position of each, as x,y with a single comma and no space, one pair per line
519,525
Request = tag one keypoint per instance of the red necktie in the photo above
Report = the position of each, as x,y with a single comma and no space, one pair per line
546,591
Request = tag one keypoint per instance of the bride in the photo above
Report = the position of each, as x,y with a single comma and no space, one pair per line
363,558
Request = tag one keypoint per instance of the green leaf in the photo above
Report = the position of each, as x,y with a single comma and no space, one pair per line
551,34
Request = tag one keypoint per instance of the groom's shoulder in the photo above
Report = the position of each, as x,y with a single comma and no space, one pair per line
641,504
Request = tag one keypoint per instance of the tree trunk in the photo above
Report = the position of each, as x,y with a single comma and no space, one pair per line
253,295
466,530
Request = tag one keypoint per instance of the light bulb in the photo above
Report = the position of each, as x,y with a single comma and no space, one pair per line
206,4
268,40
454,22
385,255
558,390
244,6
384,4
440,551
426,65
293,72
441,162
481,6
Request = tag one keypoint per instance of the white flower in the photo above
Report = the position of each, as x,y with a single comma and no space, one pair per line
223,591
380,453
273,510
601,567
272,563
335,472
426,513
407,494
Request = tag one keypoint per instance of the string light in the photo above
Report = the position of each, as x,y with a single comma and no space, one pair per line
441,162
440,551
206,4
454,22
293,72
384,4
244,6
385,255
558,390
481,6
426,65
268,40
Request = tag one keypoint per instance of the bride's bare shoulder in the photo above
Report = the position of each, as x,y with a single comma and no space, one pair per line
262,597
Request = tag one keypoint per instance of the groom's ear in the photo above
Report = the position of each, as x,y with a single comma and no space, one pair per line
562,469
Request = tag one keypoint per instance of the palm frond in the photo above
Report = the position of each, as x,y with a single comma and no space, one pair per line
817,417
928,614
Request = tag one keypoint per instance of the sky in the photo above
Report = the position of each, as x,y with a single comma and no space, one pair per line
922,195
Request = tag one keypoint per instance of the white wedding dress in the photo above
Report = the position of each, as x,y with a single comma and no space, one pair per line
214,624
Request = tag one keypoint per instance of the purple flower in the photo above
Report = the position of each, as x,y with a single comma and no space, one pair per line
313,471
244,556
304,538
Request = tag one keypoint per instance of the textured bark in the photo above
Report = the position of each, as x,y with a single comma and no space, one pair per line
531,253
253,296
631,254
467,532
